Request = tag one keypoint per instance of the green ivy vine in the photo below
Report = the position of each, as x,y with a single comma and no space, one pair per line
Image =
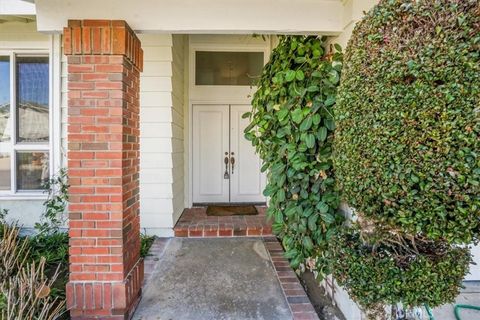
292,130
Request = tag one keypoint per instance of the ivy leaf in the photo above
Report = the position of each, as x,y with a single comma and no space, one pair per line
300,59
290,75
307,243
310,140
281,114
292,253
333,76
329,101
330,124
312,222
322,133
246,115
327,218
290,212
299,75
306,124
297,115
322,207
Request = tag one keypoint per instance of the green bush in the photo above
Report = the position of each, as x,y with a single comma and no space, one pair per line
291,128
387,273
406,152
408,118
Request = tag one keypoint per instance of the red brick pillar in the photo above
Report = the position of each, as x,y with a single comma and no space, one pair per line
106,271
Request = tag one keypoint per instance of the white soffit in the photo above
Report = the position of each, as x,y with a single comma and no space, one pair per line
17,8
199,16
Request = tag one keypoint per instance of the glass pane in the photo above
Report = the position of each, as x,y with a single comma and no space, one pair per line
32,99
5,125
227,68
5,171
32,170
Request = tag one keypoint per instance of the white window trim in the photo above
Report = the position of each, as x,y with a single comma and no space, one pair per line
53,146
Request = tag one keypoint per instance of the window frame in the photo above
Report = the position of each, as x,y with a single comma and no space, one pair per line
13,146
229,50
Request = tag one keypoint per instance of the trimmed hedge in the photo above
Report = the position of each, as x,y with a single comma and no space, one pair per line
292,129
412,273
408,118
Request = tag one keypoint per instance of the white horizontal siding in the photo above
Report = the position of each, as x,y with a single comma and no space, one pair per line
161,133
178,93
20,35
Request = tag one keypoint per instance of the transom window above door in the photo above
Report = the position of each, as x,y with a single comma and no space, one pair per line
24,122
225,68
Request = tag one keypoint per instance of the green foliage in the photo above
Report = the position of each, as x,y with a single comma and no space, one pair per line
408,117
291,128
413,273
54,215
145,244
53,248
406,152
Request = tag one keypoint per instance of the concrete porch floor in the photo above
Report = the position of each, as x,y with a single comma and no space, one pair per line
227,278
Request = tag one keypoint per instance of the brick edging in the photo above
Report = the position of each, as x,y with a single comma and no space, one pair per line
295,294
155,253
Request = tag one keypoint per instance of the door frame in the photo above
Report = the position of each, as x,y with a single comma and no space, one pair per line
214,94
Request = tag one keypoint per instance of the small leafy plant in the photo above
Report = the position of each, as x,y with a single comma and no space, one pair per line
146,242
53,216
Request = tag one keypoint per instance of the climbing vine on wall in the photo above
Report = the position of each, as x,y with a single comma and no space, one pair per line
292,129
407,151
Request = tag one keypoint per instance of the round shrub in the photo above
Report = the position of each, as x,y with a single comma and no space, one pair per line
292,129
412,273
408,118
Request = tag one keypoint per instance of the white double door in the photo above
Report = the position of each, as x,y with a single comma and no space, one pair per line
225,165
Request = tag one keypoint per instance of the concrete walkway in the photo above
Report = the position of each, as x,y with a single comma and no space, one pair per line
470,295
222,278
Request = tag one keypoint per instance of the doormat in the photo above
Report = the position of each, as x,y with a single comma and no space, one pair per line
224,211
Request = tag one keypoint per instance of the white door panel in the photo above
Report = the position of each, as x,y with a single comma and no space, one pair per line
246,180
210,142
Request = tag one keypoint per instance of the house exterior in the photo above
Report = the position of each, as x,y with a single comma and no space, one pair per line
142,102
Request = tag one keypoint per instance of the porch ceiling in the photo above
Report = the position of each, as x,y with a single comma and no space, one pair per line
200,16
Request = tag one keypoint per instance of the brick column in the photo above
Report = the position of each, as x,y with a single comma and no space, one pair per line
106,271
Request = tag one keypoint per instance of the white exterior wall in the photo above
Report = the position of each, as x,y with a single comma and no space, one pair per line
161,133
180,45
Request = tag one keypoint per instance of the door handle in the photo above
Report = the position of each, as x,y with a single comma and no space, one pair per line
226,175
232,162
